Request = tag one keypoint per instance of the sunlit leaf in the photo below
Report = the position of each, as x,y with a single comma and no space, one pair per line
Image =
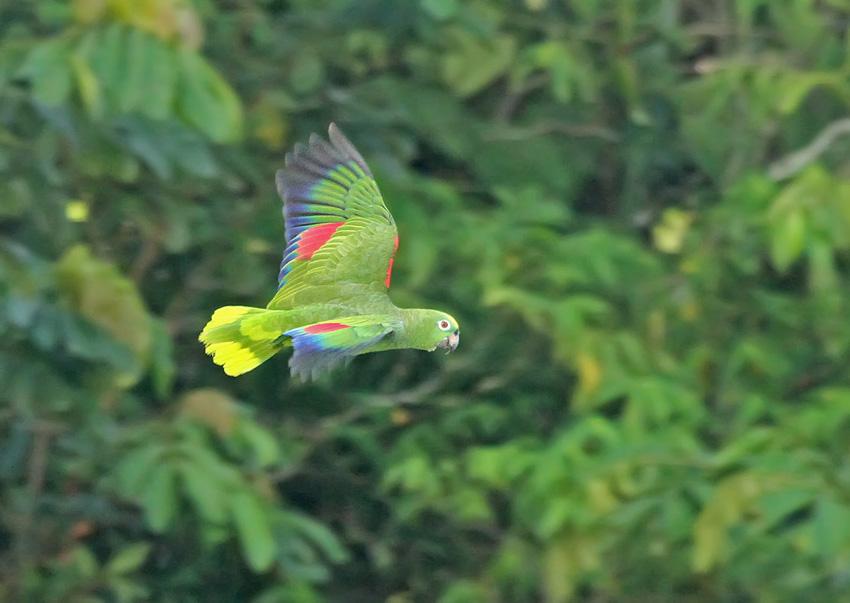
84,561
88,86
129,558
788,239
669,235
98,291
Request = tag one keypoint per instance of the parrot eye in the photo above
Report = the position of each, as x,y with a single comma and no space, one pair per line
444,325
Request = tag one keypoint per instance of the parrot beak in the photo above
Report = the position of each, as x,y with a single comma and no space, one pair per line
450,343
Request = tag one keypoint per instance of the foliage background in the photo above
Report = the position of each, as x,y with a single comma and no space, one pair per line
639,211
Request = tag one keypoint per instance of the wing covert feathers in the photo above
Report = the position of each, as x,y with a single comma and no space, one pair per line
322,346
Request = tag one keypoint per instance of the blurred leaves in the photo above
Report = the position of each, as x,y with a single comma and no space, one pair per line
120,69
100,293
475,62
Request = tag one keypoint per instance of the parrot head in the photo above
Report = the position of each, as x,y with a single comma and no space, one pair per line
432,329
450,333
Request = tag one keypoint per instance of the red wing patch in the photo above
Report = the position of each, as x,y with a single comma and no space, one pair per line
392,261
312,239
324,327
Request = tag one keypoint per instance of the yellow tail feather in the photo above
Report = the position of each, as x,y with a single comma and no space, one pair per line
240,338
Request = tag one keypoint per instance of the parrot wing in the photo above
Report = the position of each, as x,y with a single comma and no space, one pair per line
322,345
338,229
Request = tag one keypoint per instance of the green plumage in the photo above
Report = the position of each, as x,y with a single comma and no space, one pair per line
332,302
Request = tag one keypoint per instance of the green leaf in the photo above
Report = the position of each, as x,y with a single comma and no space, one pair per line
263,444
476,62
88,86
557,513
253,527
208,495
159,497
777,506
823,275
133,469
795,87
163,368
788,239
307,72
211,407
206,101
559,570
465,591
731,499
831,528
108,51
129,558
320,536
84,561
48,69
440,9
471,505
98,291
162,81
128,591
135,84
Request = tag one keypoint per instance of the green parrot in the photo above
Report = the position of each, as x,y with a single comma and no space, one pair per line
331,304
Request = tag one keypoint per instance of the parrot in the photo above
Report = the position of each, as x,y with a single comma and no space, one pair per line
332,301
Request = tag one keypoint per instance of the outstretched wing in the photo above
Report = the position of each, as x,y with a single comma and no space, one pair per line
323,345
338,229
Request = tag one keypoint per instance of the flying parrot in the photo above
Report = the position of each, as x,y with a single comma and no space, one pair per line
331,303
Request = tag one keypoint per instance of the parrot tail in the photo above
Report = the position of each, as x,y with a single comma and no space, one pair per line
240,338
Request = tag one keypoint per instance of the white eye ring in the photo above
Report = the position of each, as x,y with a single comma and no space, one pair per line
444,325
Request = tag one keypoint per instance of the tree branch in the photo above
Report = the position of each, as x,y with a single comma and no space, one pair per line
791,164
554,127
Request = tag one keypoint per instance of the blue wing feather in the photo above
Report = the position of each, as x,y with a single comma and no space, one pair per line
321,346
